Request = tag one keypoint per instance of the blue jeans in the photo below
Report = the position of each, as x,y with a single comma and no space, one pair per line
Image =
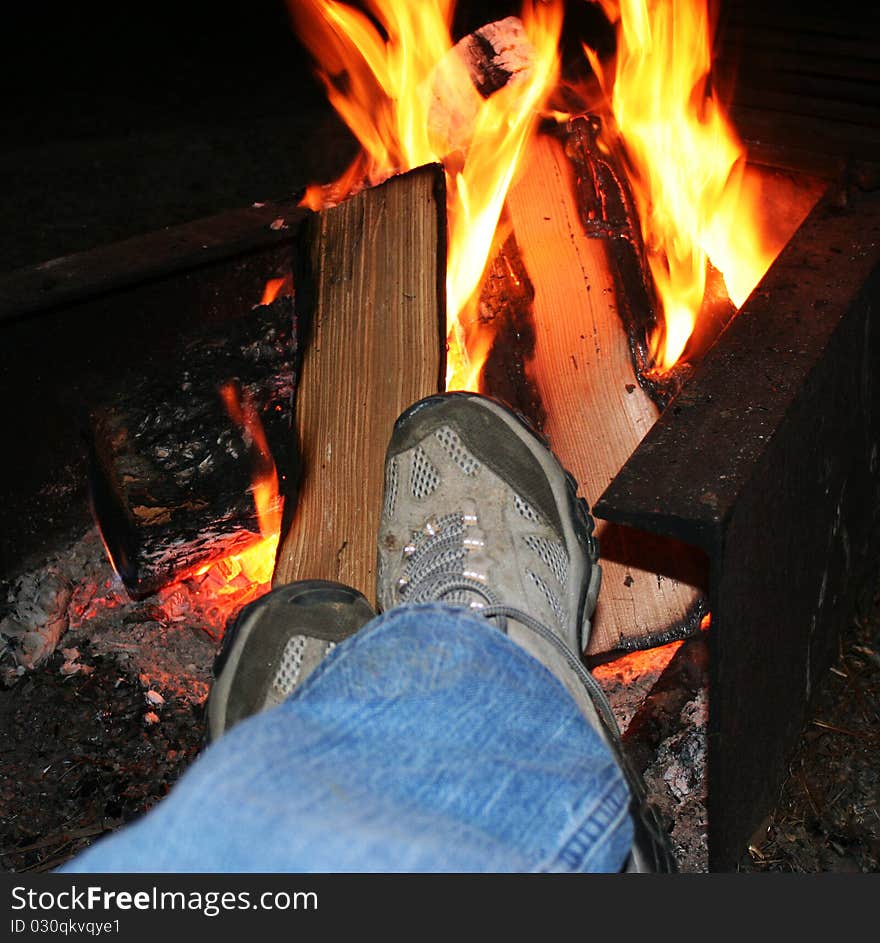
428,741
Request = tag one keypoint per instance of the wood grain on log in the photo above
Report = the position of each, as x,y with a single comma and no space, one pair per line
372,288
596,411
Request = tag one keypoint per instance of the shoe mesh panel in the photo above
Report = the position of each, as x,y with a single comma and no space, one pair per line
526,510
288,671
552,598
424,477
552,552
456,451
288,675
391,480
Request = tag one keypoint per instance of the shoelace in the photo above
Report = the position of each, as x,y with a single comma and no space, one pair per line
594,689
435,565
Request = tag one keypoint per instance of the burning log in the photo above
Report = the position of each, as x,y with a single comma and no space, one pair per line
371,293
608,212
502,321
172,472
597,413
476,67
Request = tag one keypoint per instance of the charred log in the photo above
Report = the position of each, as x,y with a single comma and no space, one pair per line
608,212
171,471
506,309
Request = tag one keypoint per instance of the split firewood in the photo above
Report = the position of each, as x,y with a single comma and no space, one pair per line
597,413
370,290
608,212
172,472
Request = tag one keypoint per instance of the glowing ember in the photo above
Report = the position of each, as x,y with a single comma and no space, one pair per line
385,87
687,166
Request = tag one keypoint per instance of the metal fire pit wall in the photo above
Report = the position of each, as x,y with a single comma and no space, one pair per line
768,461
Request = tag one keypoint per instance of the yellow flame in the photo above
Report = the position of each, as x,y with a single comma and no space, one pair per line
383,82
687,163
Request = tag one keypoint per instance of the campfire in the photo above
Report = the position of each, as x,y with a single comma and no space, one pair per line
584,215
581,233
571,235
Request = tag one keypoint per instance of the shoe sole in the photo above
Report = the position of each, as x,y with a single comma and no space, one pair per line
574,517
323,609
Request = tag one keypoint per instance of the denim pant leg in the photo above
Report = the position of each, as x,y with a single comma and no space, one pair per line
428,741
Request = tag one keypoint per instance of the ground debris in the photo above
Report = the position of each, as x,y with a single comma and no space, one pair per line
828,815
77,760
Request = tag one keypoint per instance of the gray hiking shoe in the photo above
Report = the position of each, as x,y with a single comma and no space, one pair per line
478,512
275,644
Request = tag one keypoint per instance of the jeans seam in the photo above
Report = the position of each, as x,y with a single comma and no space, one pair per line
601,819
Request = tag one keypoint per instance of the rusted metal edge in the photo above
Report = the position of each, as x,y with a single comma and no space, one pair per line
684,478
32,290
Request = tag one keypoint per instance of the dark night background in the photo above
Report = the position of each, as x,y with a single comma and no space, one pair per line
123,119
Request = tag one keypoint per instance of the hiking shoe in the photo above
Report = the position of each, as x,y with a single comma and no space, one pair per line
478,512
275,644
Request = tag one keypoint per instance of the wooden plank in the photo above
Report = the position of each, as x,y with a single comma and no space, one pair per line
847,20
159,254
769,462
373,287
804,105
596,411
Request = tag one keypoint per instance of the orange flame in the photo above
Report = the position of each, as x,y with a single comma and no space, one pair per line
257,560
385,87
275,287
694,197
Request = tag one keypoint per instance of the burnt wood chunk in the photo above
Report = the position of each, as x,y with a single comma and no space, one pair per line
505,313
608,212
479,64
495,53
370,290
171,470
